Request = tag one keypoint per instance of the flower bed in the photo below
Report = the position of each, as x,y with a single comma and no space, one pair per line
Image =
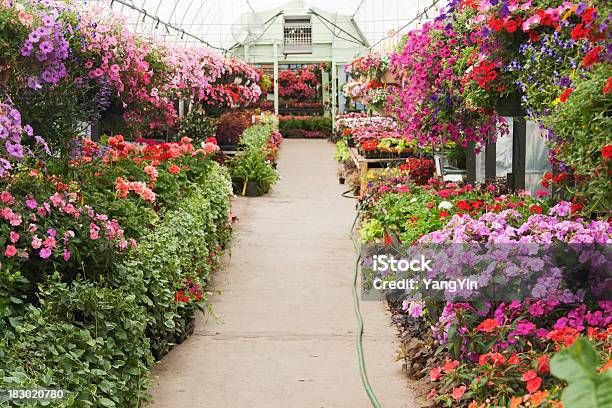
488,346
105,247
518,339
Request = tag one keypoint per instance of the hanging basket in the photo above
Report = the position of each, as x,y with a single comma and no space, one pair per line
510,105
388,78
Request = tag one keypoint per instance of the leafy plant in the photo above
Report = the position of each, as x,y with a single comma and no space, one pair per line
578,366
231,126
253,166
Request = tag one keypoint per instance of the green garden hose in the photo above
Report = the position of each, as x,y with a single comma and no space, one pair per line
360,355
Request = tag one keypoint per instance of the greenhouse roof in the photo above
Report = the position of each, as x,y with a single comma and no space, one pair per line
193,22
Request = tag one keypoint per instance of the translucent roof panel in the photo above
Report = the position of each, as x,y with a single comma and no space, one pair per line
216,21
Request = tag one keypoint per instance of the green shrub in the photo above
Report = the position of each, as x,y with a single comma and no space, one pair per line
98,338
86,339
305,123
183,247
253,163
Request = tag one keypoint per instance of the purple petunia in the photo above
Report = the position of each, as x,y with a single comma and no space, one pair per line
46,47
14,149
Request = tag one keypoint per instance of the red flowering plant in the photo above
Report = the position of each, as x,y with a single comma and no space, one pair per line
420,170
133,181
410,211
300,84
505,351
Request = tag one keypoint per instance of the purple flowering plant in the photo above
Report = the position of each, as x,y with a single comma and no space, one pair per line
17,140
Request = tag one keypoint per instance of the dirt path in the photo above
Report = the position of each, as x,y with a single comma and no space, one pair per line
286,338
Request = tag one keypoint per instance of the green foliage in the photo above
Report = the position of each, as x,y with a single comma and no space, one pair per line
98,338
578,366
584,123
342,152
305,123
253,163
83,338
253,166
183,247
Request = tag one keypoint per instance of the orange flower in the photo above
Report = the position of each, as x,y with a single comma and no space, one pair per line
488,325
606,366
515,402
174,169
450,365
537,398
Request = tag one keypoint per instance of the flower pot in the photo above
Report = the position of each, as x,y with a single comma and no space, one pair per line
187,331
252,189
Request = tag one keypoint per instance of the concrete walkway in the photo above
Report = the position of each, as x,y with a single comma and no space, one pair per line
286,334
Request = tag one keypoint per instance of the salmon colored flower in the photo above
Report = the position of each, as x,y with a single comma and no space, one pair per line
174,169
435,373
450,365
458,392
488,325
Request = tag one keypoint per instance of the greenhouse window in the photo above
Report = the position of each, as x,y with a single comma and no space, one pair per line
297,35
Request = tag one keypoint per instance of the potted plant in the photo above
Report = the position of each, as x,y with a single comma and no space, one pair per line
252,173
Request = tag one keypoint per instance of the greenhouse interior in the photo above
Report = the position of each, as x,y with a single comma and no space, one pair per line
306,204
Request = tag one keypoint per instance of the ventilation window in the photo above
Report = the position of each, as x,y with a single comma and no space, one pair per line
297,35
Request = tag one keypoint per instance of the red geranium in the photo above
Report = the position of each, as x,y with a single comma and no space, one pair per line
496,24
606,152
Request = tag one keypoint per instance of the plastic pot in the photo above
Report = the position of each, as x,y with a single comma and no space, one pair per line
252,189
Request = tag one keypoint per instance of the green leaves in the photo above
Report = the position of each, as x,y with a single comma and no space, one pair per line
578,366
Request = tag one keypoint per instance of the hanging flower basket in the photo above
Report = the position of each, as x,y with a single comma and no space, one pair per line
510,105
388,78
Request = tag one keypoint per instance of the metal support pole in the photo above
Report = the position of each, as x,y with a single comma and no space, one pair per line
246,52
181,107
490,161
276,78
334,91
519,143
470,163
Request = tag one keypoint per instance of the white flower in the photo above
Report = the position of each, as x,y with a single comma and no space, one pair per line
447,205
413,200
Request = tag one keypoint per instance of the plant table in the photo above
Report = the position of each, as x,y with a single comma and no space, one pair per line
365,165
